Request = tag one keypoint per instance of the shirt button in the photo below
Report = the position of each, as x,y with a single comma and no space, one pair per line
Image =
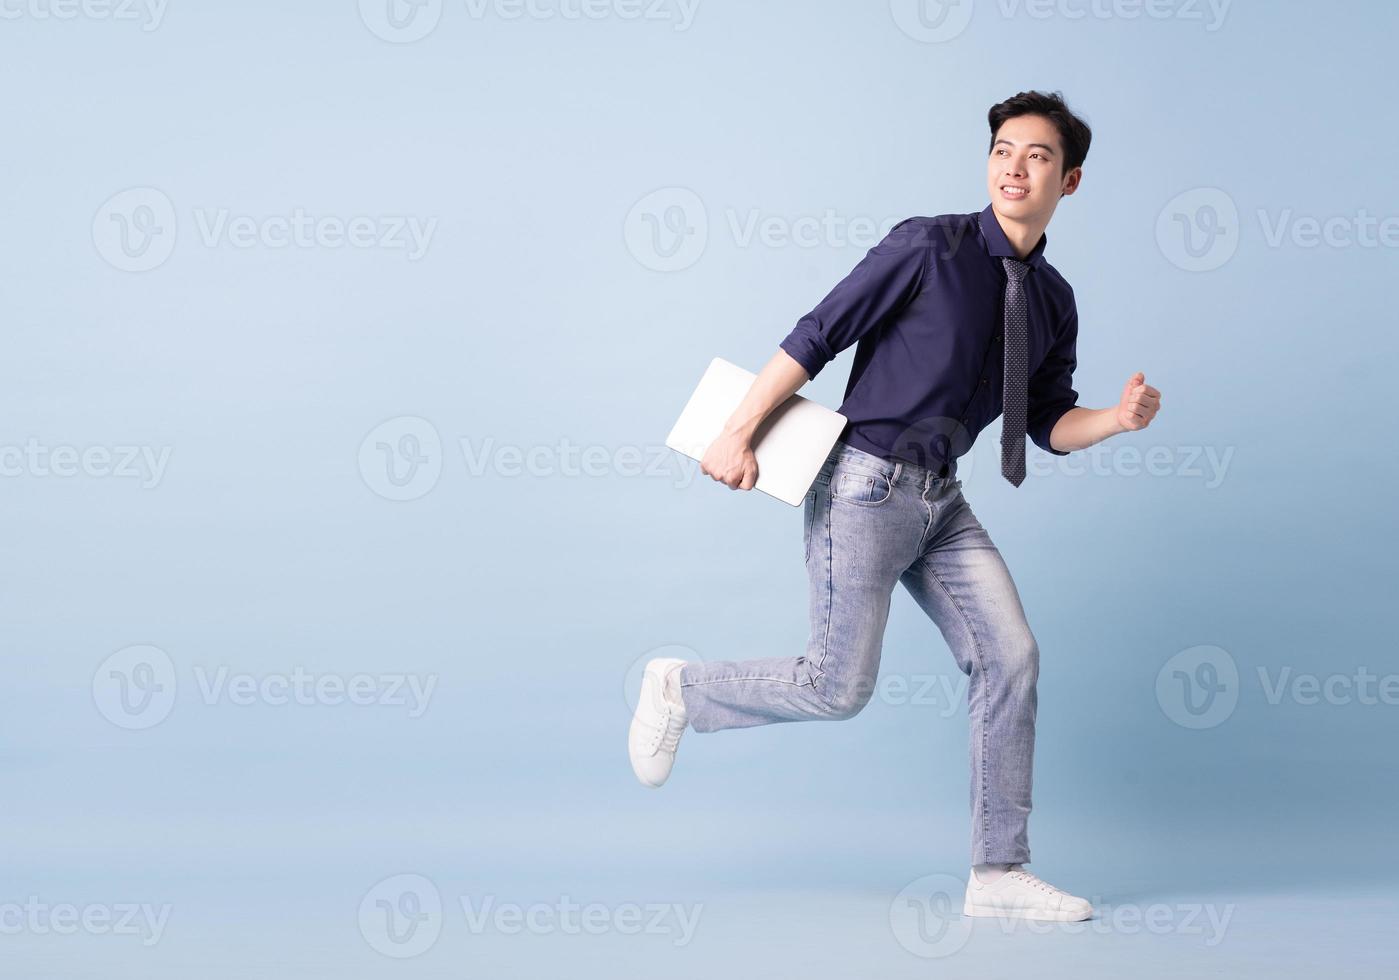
983,381
996,337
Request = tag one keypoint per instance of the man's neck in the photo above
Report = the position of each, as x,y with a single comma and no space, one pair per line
1023,236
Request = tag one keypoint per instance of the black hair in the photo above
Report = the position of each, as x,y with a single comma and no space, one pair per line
1074,133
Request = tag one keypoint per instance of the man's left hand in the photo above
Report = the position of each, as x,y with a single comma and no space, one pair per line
1139,404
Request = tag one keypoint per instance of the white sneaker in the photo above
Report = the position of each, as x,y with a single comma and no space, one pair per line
657,725
1019,894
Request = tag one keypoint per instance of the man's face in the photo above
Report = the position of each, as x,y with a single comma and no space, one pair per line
1024,174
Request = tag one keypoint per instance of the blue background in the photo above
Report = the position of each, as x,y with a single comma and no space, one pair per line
537,319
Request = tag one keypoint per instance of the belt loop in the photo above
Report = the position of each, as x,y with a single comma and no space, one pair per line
898,468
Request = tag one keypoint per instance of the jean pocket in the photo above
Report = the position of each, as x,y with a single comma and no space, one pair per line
863,487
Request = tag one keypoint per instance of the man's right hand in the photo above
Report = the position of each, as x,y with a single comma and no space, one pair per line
730,460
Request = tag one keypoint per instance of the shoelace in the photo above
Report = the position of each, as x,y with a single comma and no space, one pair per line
674,728
667,736
1029,879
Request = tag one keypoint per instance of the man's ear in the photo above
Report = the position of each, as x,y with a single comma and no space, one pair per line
1071,182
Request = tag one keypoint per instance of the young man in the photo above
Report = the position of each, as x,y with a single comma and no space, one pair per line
959,319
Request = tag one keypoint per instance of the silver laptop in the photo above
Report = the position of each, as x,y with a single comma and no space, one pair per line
790,445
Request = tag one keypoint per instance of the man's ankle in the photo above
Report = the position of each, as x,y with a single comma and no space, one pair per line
671,689
988,873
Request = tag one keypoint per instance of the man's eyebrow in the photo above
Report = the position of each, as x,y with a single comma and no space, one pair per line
1048,149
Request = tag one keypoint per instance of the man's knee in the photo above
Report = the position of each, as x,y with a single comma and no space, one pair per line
1006,656
1019,656
845,699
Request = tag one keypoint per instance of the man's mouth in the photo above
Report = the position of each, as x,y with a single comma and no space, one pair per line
1014,192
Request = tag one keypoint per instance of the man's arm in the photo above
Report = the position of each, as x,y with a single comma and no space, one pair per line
881,285
1058,424
729,459
1079,427
884,281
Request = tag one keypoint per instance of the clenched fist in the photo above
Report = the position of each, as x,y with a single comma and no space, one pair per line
1139,404
730,460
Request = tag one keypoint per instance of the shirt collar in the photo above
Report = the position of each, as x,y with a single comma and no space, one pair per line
998,245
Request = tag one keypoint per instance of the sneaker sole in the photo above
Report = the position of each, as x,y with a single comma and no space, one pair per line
1038,915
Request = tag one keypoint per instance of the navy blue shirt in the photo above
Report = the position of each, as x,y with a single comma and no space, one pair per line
926,306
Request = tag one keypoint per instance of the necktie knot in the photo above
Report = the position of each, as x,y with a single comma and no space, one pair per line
1015,269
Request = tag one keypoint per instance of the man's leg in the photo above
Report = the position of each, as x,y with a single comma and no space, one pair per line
963,585
857,544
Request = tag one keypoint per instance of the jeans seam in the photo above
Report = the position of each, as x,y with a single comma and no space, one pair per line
830,599
808,519
931,521
985,815
726,680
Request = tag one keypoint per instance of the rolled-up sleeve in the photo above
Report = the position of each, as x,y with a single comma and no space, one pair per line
1051,390
885,280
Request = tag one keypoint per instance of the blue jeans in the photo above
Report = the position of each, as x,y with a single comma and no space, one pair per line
869,524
